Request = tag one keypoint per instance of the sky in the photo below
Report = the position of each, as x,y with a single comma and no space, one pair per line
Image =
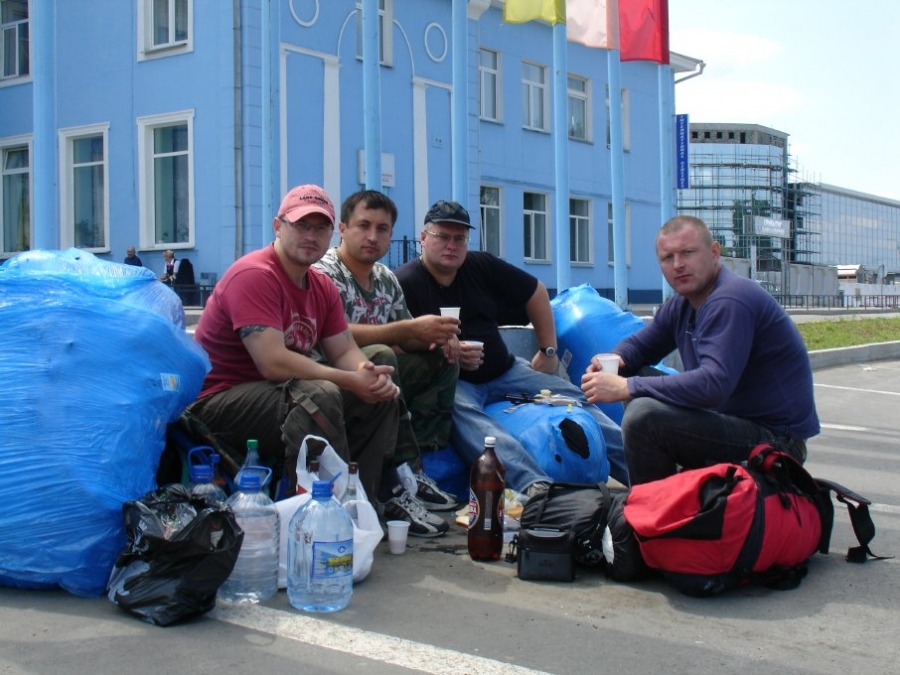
823,71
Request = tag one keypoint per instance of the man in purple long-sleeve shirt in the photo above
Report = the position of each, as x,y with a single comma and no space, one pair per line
746,380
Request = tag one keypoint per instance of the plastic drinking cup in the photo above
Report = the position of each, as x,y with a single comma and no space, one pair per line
609,363
398,530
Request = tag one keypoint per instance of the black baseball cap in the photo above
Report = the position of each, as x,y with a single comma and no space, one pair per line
448,212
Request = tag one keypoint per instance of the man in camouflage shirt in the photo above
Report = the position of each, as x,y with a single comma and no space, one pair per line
426,348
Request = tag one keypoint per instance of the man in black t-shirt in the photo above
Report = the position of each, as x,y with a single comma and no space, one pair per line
490,292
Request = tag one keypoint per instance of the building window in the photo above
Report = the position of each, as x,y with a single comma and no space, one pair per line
579,231
534,226
611,256
579,108
15,197
165,151
489,84
626,129
385,31
165,27
83,184
14,54
489,204
534,96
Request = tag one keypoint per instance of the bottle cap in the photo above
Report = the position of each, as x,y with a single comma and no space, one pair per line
490,440
201,473
249,481
252,444
322,488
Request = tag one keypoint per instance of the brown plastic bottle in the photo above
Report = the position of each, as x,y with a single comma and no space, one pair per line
486,485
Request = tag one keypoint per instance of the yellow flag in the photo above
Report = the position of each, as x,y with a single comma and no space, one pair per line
522,11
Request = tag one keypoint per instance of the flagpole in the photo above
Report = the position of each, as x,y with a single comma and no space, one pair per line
561,155
667,202
371,94
459,184
617,172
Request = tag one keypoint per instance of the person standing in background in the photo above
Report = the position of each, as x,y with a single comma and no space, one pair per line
131,258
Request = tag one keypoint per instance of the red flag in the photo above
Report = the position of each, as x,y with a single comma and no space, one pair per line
644,30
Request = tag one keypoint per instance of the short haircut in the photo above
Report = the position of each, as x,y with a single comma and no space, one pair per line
678,223
372,199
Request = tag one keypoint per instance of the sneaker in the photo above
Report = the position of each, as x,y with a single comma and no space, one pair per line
432,497
421,523
537,488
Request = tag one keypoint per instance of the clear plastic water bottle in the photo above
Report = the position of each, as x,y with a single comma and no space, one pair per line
253,464
202,485
320,553
255,574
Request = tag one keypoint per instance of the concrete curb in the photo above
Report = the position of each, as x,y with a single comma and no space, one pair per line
829,358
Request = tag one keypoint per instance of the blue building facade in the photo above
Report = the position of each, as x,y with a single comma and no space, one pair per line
178,124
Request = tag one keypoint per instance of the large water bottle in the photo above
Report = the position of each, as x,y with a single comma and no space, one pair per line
253,464
255,574
320,553
202,485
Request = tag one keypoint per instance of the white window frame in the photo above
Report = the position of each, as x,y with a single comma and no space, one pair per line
530,89
10,143
385,32
67,138
581,224
497,209
626,124
489,81
610,254
147,179
582,96
12,31
147,48
533,221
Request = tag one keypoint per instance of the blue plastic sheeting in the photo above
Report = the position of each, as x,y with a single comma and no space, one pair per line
537,427
94,363
449,470
588,324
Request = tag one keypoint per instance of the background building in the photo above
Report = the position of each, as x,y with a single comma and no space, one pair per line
180,123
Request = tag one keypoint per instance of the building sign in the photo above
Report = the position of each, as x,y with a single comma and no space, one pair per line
771,227
682,144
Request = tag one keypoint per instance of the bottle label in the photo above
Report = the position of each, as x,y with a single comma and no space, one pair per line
332,559
473,508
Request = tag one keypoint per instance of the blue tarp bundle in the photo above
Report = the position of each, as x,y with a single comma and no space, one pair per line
94,363
588,324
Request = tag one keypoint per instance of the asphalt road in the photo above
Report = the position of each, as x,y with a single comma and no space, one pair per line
433,610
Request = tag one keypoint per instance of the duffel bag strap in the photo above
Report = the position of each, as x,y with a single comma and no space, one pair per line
860,519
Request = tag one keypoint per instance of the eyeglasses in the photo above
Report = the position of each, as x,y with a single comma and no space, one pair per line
444,239
305,228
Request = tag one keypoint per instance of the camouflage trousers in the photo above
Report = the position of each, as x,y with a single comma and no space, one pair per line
427,384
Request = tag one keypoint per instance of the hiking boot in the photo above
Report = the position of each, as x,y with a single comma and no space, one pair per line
432,497
421,523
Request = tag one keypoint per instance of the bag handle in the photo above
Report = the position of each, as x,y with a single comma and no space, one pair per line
860,519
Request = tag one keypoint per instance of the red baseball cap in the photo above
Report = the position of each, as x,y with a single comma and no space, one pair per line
303,200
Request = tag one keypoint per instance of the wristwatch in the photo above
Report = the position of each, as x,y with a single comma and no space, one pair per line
549,351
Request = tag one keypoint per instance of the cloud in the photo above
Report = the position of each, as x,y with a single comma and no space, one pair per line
747,101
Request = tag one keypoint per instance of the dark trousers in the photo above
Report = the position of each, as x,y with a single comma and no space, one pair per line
659,438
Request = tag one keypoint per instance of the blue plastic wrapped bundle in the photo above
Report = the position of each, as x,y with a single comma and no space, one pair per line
94,363
448,469
567,443
588,324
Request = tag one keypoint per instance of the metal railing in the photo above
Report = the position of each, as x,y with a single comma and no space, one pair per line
402,251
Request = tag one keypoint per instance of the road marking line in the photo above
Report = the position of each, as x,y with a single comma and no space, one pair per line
842,427
885,508
863,391
375,646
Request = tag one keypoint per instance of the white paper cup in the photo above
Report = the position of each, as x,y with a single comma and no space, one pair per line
609,363
398,530
450,311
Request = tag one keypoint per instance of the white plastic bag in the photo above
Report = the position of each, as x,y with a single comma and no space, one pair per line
367,530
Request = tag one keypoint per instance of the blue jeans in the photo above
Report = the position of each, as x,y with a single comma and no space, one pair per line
471,424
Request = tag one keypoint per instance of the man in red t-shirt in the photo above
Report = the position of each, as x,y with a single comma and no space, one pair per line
260,326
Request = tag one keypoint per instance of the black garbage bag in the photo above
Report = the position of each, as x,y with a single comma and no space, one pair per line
179,551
